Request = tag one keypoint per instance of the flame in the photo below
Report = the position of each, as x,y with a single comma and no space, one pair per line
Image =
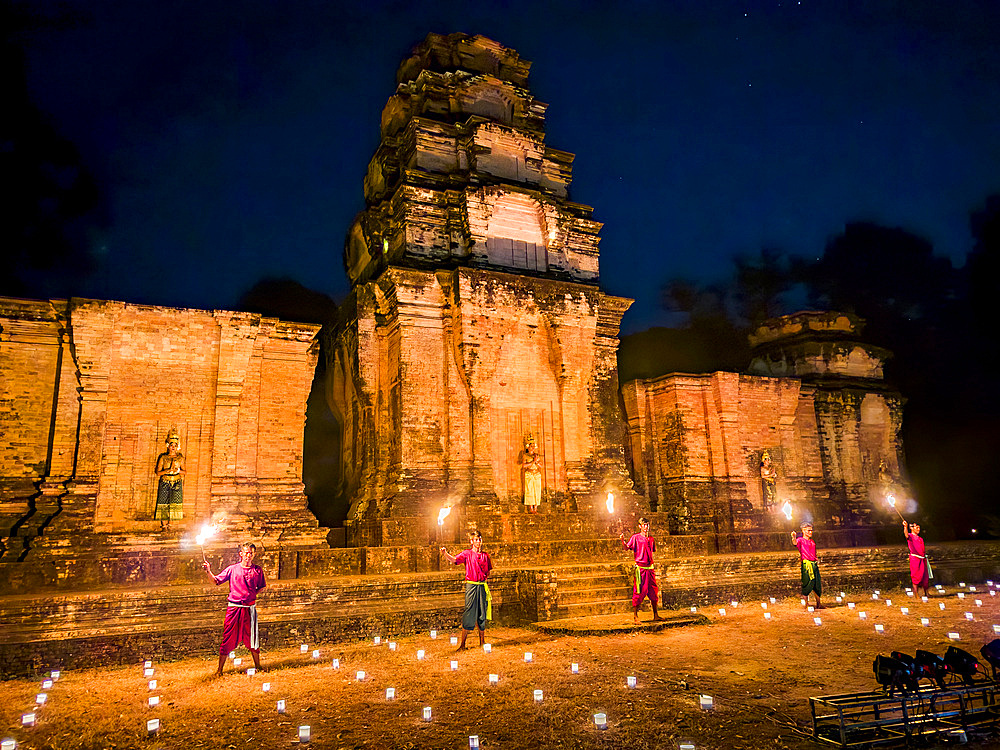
443,514
891,500
787,510
207,532
611,502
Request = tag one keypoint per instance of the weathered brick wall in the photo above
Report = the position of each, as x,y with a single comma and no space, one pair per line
696,442
483,360
90,389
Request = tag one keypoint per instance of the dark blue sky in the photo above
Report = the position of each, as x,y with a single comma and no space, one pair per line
231,139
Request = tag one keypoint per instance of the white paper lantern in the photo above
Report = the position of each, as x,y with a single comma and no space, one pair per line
390,693
420,653
315,653
538,696
154,700
378,640
152,684
574,668
335,664
454,665
361,675
305,733
28,720
925,622
818,620
954,637
251,671
527,656
304,648
55,675
46,684
494,678
392,645
434,634
152,726
879,628
488,648
237,662
630,681
427,713
473,742
266,687
41,698
601,721
706,702
281,706
8,745
454,642
767,615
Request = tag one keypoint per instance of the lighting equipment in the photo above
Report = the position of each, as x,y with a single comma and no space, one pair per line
991,653
932,666
962,663
893,674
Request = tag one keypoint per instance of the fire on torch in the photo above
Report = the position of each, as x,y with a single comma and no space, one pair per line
891,499
443,514
207,532
787,510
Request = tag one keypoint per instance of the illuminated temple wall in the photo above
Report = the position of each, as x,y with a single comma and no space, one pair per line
828,421
89,390
475,315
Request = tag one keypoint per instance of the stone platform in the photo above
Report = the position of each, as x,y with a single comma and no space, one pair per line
126,624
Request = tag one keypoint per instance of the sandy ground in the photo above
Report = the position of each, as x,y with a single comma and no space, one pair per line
760,674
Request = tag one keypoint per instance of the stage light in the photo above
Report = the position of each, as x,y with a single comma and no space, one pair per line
892,673
962,663
991,653
932,666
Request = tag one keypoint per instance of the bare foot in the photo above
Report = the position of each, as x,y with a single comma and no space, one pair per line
657,618
461,648
819,606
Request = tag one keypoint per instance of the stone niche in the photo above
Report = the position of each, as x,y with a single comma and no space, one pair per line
814,400
90,390
475,316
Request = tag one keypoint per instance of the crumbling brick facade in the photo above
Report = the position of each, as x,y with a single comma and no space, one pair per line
475,317
815,401
90,390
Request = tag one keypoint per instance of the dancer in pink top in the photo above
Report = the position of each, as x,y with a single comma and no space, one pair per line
644,584
245,580
810,567
920,566
478,600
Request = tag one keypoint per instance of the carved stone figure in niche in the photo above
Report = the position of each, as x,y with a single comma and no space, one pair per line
768,481
170,490
531,473
885,482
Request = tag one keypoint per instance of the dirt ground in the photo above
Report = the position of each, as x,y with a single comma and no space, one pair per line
760,674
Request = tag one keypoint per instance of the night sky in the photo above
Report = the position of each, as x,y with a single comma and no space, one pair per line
230,139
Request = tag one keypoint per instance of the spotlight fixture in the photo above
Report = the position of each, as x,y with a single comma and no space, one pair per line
932,667
893,674
962,663
991,653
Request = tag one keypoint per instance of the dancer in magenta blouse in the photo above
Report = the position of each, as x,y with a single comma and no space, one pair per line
810,567
644,585
920,566
478,600
245,580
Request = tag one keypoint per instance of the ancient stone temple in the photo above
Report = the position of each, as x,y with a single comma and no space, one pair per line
475,324
812,424
113,411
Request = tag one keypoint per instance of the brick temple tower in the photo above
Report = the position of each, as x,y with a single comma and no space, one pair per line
475,319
